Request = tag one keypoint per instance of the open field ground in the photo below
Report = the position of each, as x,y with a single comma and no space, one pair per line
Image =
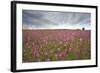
56,45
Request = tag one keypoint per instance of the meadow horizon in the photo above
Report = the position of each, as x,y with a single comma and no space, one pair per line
55,36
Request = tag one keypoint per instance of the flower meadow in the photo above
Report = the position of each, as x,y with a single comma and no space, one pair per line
43,45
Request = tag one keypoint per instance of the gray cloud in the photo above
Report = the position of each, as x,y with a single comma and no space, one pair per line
46,19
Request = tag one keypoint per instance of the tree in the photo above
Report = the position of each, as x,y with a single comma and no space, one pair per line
83,28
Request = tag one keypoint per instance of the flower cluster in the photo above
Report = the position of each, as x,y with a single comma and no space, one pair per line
56,45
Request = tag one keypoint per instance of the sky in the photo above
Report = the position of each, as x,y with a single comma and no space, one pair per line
35,19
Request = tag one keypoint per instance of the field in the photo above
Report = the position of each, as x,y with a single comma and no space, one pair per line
56,45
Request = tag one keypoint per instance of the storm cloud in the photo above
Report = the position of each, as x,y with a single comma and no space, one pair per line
35,19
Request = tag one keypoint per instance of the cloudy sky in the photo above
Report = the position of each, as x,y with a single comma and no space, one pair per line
33,19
